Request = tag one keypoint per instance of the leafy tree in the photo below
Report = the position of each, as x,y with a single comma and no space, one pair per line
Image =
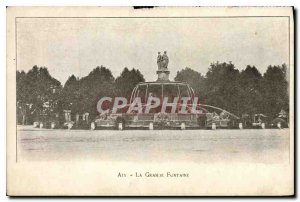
36,93
275,89
194,79
70,94
222,87
99,83
251,97
127,81
22,97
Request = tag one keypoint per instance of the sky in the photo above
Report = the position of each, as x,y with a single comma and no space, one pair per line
76,46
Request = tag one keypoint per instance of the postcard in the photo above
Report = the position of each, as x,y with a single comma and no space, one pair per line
161,101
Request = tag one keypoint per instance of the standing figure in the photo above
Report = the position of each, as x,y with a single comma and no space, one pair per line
165,60
159,61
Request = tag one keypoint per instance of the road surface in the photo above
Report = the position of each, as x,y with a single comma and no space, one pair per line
248,145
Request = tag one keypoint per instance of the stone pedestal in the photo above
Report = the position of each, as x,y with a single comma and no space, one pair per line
163,75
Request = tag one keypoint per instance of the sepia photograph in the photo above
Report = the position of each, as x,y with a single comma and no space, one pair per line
162,101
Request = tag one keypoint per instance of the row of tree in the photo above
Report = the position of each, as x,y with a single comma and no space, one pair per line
245,92
40,95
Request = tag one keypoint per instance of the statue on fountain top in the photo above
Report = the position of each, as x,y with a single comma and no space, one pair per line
159,60
162,61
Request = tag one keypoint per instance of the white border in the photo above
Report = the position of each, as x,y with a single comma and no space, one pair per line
3,5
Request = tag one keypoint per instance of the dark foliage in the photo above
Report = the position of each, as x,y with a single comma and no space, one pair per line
250,90
37,94
81,95
127,81
245,92
222,85
195,79
275,90
40,96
